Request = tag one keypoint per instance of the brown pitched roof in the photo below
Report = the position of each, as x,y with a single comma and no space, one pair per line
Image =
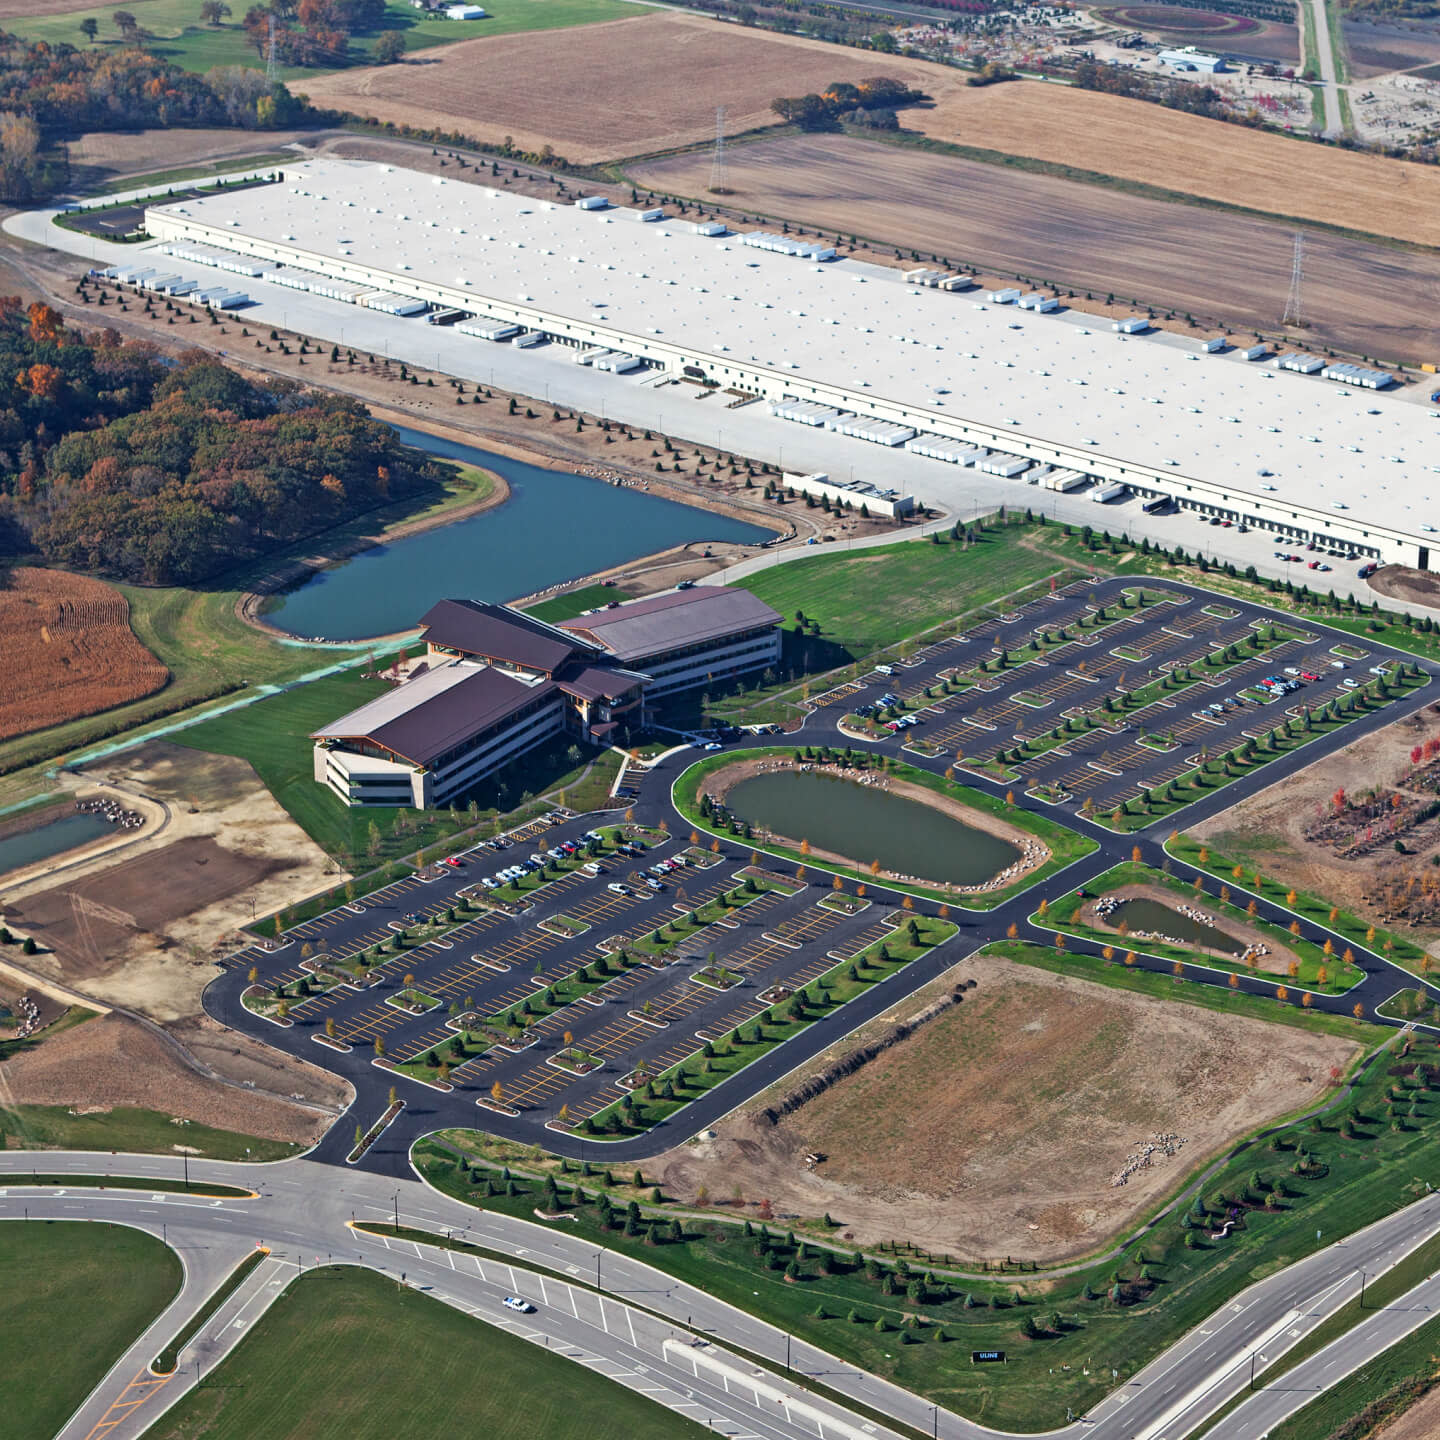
496,632
423,718
668,622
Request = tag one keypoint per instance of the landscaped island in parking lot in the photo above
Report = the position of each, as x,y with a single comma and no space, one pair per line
873,818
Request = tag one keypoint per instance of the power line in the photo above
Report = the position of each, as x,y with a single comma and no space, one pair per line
719,170
1294,311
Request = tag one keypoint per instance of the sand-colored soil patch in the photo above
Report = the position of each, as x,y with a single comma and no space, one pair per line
113,1062
1033,852
998,1127
1273,958
1420,1422
143,929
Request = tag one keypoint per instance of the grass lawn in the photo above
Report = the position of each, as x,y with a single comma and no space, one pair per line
273,735
308,1367
180,37
567,606
75,1296
145,1132
1250,877
1359,1162
873,599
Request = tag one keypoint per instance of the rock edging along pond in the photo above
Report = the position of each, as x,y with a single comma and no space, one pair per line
556,526
990,849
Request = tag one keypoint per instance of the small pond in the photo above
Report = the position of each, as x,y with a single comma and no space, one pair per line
554,527
1150,917
54,838
863,823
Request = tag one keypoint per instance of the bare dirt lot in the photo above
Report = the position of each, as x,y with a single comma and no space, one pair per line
625,87
1038,1088
113,1061
1412,587
1267,831
1420,1422
142,930
1225,269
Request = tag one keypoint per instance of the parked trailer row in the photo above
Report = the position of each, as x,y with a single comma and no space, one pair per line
1106,493
878,432
1065,481
938,279
1348,374
484,328
787,245
941,447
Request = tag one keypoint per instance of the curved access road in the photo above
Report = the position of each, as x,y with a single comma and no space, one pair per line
305,1213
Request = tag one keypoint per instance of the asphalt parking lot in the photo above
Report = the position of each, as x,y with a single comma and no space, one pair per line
1127,653
655,1013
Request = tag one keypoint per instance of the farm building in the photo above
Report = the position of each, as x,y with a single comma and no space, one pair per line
495,683
1192,59
854,347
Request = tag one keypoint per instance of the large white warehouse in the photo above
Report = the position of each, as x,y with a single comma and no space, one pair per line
1278,449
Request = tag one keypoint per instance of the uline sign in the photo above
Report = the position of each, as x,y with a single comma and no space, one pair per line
987,1357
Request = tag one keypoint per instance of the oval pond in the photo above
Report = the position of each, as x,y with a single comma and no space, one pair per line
864,823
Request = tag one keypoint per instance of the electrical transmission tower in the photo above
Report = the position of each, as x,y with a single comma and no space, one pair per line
270,72
719,173
1294,313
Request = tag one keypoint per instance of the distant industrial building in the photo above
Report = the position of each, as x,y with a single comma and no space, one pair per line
1192,59
495,683
857,348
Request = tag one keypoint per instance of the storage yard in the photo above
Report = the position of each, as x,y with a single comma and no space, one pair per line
1059,390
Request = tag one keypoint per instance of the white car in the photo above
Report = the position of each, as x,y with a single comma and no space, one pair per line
516,1303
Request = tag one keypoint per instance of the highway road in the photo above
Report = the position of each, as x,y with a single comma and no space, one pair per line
305,1212
1325,62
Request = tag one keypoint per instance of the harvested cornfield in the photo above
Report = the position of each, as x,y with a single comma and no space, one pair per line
69,651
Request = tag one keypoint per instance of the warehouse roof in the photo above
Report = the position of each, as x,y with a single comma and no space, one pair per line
673,621
1061,378
496,632
423,718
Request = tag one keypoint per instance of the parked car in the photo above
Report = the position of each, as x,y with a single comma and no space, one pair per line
617,888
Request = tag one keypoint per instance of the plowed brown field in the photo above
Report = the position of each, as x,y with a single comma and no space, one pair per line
69,651
631,87
598,92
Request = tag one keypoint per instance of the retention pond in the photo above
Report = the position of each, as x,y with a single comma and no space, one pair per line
555,526
1141,916
29,847
863,823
